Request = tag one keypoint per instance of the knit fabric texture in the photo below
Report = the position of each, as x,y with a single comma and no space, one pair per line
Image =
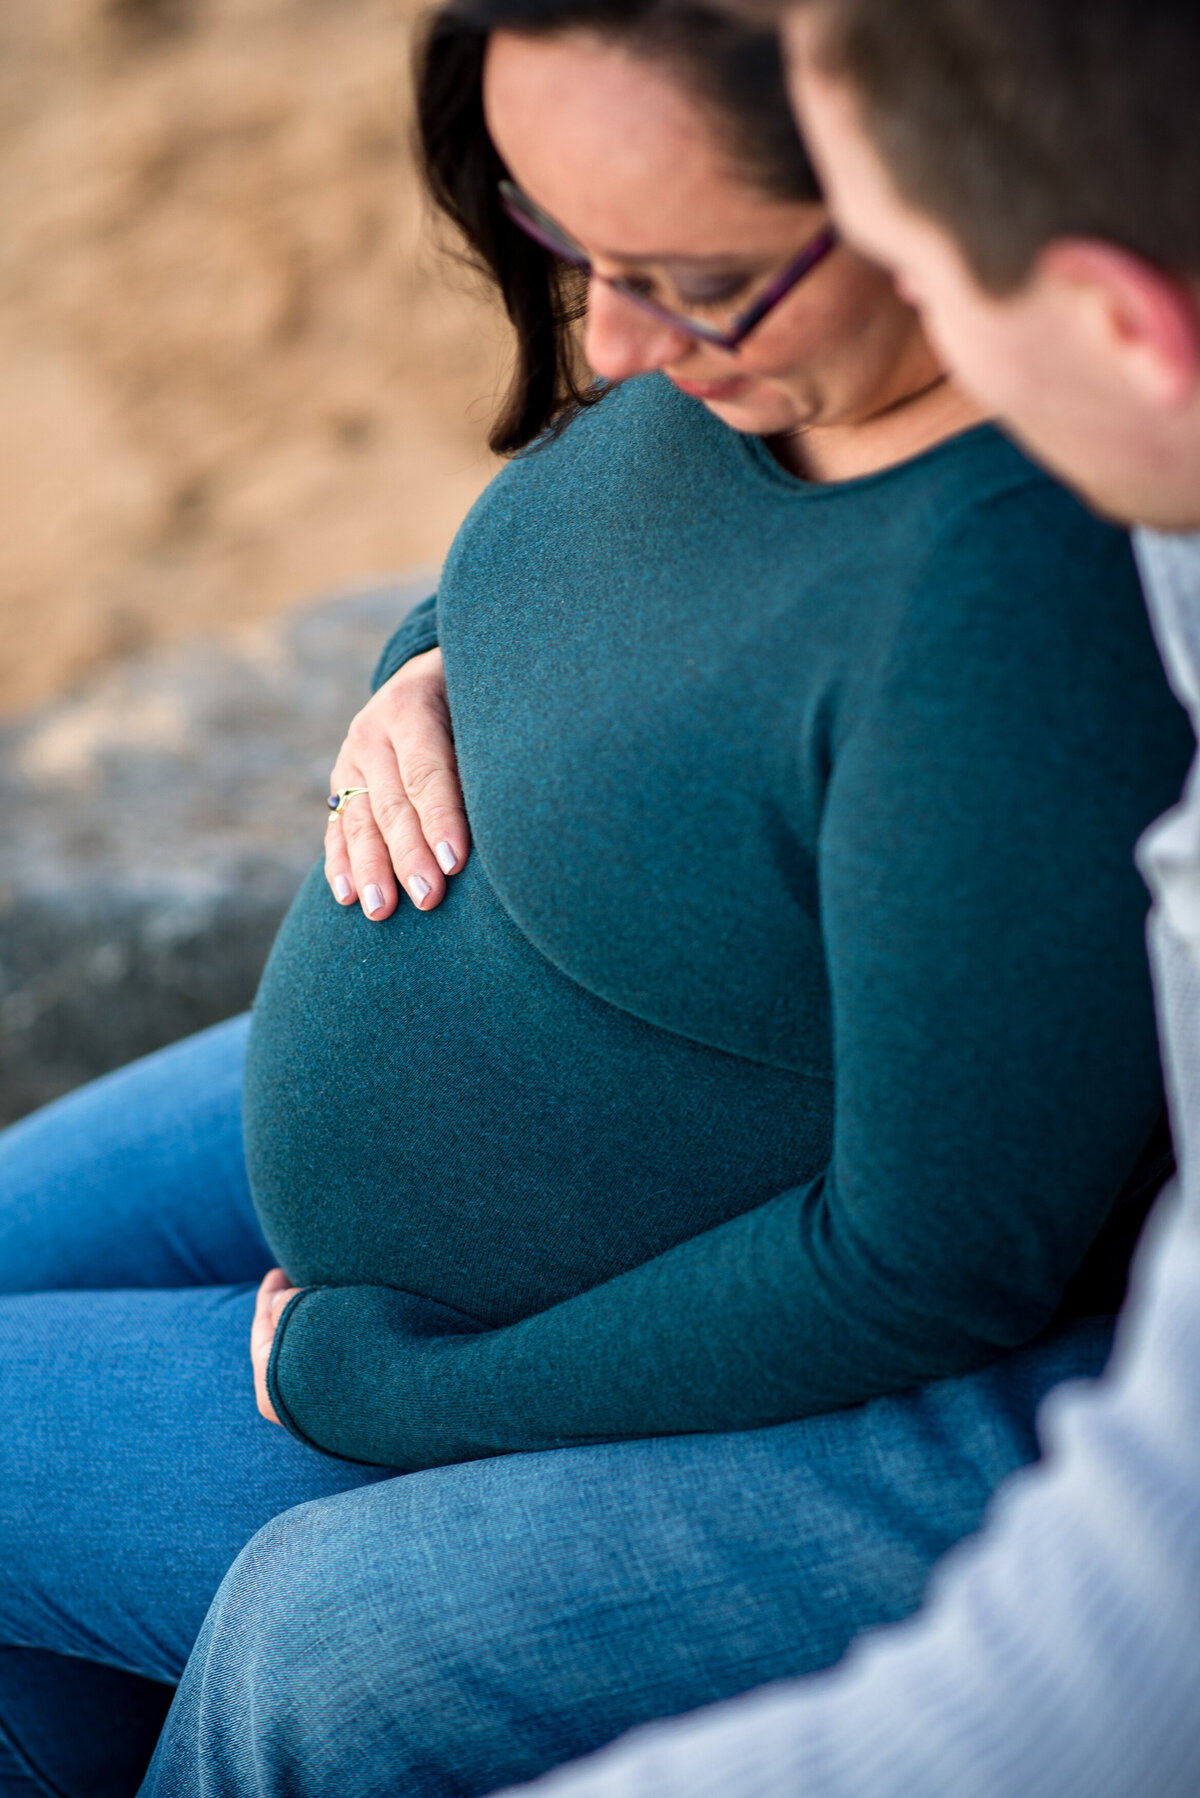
788,1036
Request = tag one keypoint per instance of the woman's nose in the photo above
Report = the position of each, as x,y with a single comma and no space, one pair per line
620,340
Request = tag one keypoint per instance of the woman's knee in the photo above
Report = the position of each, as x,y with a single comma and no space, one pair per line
339,1654
299,1667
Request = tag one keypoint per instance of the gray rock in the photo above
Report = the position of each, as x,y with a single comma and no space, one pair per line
157,825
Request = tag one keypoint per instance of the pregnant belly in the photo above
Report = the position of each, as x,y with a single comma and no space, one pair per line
431,1105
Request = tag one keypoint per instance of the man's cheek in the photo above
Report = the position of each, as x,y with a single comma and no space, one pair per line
968,345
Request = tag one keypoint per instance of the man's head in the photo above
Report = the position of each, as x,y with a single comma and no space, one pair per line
1031,170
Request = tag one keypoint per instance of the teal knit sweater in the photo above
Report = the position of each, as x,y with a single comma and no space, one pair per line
788,1037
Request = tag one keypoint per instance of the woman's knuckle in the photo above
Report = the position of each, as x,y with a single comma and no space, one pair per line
358,827
441,815
422,774
393,817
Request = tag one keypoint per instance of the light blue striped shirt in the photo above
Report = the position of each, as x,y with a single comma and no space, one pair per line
1058,1654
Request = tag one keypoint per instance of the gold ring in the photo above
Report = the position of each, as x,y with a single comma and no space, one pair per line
337,801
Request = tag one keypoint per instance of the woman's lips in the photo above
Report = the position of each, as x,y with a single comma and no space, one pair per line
729,389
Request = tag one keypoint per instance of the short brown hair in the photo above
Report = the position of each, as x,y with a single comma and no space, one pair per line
1014,122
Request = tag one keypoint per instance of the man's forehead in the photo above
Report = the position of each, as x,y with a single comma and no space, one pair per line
851,171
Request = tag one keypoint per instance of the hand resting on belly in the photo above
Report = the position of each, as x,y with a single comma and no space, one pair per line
410,824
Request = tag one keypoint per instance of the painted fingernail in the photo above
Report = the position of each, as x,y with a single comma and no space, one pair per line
446,858
372,900
341,887
418,888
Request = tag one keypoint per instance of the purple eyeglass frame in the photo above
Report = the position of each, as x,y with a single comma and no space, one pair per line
535,224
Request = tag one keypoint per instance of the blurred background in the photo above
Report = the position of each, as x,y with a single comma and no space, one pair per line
244,391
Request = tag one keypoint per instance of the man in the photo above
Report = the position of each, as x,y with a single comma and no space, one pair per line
1031,171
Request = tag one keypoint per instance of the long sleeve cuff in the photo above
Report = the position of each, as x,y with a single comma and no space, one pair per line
345,1358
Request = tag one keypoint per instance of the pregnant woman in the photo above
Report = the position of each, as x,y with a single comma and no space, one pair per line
757,1121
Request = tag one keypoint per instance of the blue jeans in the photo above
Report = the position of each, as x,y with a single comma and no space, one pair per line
444,1632
133,1464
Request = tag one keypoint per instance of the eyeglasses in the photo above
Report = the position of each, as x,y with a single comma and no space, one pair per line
542,229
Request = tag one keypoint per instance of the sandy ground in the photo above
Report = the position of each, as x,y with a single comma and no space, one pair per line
235,367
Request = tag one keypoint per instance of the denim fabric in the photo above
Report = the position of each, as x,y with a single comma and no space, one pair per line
70,1726
136,1180
133,1464
449,1631
440,1632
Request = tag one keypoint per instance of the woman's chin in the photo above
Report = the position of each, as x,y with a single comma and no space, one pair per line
754,414
746,403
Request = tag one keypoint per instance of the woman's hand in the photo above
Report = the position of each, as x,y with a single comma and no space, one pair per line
410,822
273,1296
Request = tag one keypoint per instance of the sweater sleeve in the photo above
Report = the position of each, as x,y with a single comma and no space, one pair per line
415,635
996,1063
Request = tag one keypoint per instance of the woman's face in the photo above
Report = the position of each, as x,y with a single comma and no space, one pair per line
631,167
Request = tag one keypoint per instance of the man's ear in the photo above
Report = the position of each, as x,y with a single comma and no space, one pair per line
1145,323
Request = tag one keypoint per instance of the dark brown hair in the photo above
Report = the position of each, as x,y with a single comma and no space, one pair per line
1014,122
733,69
